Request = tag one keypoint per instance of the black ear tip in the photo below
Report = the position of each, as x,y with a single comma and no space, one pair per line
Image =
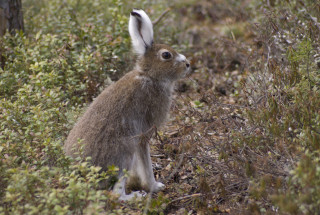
135,14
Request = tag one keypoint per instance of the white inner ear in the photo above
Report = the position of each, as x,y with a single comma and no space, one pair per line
141,31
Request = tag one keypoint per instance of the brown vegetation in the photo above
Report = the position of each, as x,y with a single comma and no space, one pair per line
244,130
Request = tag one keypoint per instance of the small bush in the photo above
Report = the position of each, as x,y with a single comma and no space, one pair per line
70,51
244,134
285,97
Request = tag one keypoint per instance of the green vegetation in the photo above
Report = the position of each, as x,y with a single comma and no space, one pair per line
288,111
244,132
69,53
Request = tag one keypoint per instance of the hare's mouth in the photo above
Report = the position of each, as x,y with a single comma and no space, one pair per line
188,71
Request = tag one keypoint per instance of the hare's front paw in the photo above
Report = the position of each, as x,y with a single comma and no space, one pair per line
158,186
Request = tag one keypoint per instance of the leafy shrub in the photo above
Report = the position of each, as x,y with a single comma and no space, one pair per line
55,191
285,98
66,57
251,147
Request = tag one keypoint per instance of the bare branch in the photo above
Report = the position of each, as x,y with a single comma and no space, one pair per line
155,22
186,197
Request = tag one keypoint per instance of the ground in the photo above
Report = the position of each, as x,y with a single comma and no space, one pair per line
243,135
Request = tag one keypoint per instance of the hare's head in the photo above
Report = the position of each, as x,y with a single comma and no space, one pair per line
159,61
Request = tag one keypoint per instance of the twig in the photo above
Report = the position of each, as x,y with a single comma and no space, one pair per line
186,197
155,22
158,156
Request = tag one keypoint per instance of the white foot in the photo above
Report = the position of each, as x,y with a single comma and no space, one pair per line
136,194
158,186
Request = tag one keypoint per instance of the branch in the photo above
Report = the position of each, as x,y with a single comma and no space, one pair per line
155,22
186,197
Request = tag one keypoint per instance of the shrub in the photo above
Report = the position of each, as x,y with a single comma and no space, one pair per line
65,58
285,96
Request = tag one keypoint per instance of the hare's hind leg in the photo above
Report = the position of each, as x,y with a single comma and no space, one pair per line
125,162
120,188
142,167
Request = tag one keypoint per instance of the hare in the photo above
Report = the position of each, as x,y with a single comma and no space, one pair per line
111,130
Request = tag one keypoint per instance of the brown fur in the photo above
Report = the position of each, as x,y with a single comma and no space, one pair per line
110,129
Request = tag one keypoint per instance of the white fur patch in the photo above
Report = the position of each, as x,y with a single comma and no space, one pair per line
140,169
141,37
143,79
181,58
158,186
167,85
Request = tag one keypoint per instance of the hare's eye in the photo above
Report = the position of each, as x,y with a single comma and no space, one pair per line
166,55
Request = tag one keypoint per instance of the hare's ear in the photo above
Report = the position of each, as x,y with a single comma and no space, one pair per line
141,31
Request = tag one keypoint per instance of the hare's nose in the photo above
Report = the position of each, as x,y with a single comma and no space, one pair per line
187,63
